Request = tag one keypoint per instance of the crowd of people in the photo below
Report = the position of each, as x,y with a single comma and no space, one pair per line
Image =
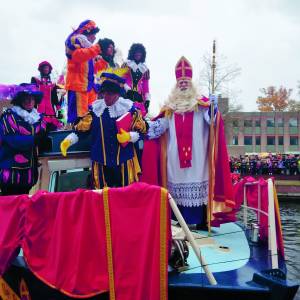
109,100
272,164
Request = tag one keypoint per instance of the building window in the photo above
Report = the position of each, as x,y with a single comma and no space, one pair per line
280,122
270,122
235,140
280,140
294,141
247,140
293,122
235,123
257,140
270,140
247,123
257,123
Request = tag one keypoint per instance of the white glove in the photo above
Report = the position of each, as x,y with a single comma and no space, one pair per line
213,99
134,136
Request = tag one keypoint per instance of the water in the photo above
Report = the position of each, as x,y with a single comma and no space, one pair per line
290,219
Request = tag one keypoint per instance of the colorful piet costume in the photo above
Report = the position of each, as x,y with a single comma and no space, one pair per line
137,76
179,159
50,104
80,70
19,130
106,60
113,164
109,59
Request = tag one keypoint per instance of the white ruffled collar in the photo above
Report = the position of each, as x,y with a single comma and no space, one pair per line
116,110
134,66
30,117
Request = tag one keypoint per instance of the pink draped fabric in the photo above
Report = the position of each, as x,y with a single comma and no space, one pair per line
64,244
137,215
252,200
67,239
12,213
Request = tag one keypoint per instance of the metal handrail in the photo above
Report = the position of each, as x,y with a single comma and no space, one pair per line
272,239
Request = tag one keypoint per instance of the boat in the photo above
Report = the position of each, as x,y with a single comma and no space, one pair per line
230,262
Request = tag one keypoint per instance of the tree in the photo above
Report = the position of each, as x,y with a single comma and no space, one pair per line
294,106
225,73
273,99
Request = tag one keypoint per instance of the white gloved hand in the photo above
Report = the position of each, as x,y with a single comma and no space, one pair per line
213,99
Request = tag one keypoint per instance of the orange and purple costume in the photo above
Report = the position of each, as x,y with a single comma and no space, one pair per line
80,70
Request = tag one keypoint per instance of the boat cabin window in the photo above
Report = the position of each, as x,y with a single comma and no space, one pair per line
70,180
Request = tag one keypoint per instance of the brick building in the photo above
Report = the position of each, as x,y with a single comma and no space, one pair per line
263,131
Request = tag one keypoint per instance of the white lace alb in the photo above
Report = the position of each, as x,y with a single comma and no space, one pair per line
189,194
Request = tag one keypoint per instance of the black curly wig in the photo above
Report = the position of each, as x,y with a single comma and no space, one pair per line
104,43
137,48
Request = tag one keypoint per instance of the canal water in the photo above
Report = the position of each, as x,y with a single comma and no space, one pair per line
290,219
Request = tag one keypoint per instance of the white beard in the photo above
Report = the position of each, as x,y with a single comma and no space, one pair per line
182,101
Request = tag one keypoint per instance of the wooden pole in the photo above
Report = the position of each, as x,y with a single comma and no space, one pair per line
192,241
211,184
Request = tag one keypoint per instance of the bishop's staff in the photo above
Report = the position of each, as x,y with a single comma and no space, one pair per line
211,162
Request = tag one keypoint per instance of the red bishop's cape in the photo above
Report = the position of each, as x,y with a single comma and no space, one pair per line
155,168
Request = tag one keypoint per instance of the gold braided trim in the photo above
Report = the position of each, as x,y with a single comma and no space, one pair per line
163,244
123,174
103,177
130,171
136,165
118,155
4,122
96,175
163,160
6,292
12,116
109,253
102,138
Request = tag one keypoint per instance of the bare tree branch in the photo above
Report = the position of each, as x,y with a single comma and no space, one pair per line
225,73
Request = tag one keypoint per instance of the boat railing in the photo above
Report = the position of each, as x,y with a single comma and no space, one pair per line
272,238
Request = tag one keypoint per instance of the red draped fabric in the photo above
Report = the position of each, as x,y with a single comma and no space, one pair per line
151,162
140,255
64,244
12,213
223,202
86,242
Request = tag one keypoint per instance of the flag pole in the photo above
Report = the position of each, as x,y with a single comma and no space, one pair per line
211,144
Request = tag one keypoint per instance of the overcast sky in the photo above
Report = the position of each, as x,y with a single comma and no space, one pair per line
260,36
